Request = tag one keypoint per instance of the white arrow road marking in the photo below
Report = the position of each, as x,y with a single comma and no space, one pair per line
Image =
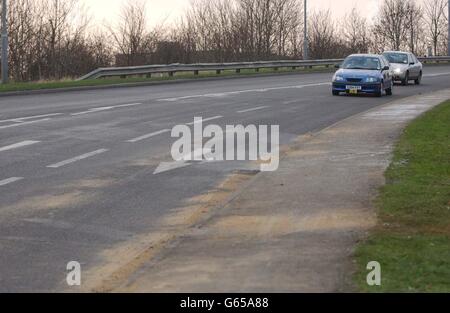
19,145
149,135
183,162
170,166
78,158
10,180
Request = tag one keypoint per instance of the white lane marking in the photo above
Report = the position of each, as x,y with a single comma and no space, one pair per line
19,145
223,94
127,105
78,158
437,74
24,123
21,119
291,101
149,135
253,109
95,110
10,180
206,120
100,109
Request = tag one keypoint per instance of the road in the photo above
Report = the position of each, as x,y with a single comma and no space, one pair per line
77,168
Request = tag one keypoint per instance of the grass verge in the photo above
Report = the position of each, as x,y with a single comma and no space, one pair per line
412,240
11,87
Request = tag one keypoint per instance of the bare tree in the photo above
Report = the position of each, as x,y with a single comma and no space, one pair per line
415,25
356,32
392,23
22,25
131,36
436,21
57,14
323,40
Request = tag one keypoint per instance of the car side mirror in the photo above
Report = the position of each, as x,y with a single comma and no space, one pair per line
386,68
412,63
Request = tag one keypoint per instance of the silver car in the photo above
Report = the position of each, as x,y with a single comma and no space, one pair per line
405,67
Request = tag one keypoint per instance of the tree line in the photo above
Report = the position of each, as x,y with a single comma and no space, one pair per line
57,39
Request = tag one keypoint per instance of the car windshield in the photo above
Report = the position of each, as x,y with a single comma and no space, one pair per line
398,58
361,63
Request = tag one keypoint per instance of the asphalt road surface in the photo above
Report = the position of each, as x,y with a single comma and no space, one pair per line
77,168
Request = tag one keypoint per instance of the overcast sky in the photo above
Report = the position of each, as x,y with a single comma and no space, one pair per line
169,10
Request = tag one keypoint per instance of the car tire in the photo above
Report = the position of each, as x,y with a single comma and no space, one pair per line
335,93
389,91
379,93
418,80
405,81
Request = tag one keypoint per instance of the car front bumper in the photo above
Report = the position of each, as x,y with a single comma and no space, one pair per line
366,88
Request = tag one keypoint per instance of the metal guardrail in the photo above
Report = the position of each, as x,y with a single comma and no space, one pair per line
171,69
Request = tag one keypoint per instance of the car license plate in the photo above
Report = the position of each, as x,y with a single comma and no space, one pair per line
353,89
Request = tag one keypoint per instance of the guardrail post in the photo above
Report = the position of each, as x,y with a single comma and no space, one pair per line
149,75
257,70
238,71
218,72
123,76
294,68
171,74
275,69
196,72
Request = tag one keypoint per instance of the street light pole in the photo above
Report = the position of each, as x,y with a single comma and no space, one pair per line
5,42
305,31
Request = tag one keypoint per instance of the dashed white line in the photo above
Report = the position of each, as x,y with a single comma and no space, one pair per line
127,105
19,145
149,135
78,158
21,119
24,123
253,109
206,120
10,181
100,109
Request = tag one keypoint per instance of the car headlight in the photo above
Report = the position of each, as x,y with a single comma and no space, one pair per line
372,80
338,78
397,71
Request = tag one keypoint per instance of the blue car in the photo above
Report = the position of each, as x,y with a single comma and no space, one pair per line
364,74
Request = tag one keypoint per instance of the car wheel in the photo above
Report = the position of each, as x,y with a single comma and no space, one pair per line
335,93
389,91
419,79
380,92
405,81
